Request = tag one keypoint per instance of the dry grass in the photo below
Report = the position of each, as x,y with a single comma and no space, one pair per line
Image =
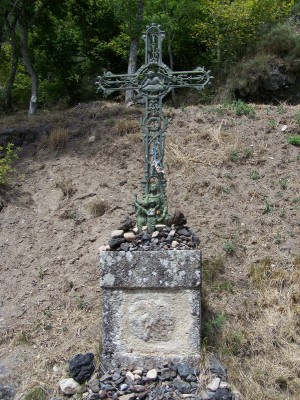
66,186
58,138
98,207
127,126
251,298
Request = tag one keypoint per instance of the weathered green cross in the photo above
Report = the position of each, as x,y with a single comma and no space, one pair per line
152,82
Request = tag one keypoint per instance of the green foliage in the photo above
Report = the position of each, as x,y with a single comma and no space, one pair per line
228,26
295,140
213,327
6,162
297,118
255,175
267,207
36,394
229,246
241,108
233,155
283,183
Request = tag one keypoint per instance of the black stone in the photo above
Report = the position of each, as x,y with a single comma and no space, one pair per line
146,236
124,246
81,367
126,223
94,396
223,394
183,232
217,368
184,370
191,378
181,386
114,243
178,218
195,239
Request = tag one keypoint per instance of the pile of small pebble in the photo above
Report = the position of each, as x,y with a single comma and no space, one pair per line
169,382
178,236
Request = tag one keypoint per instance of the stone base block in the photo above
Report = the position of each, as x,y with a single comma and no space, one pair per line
151,307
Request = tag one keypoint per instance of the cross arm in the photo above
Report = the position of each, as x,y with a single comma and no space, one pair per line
198,78
109,82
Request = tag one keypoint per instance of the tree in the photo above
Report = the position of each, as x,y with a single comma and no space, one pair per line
20,17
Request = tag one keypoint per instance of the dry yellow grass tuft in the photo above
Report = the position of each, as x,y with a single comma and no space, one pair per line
98,207
58,138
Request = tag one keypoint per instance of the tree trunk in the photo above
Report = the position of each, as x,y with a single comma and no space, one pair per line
170,53
12,73
132,62
30,70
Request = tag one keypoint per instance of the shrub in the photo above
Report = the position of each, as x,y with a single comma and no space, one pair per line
6,169
241,108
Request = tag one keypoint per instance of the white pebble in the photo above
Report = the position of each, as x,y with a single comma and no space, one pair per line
117,233
213,385
151,374
130,376
129,236
69,386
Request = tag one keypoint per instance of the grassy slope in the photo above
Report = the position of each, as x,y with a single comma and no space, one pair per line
236,179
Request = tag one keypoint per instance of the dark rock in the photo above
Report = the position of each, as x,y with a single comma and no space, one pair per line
124,246
163,234
105,377
120,380
191,378
126,223
114,243
178,218
217,368
183,232
223,394
181,386
195,239
184,370
116,376
95,396
146,236
166,374
82,367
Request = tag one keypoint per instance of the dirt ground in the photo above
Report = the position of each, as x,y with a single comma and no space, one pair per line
237,180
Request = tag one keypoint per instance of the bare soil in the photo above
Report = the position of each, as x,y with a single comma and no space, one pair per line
237,180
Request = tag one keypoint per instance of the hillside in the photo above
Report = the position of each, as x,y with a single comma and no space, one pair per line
237,180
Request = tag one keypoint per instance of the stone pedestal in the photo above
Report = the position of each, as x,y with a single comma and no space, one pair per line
151,307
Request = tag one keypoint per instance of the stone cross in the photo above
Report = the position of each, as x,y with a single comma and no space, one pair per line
152,82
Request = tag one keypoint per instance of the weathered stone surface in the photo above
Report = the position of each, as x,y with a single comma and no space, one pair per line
7,392
150,269
151,308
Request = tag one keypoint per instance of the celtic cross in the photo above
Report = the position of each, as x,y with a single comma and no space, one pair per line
152,82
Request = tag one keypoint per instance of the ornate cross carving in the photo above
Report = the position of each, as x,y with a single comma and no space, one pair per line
152,82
